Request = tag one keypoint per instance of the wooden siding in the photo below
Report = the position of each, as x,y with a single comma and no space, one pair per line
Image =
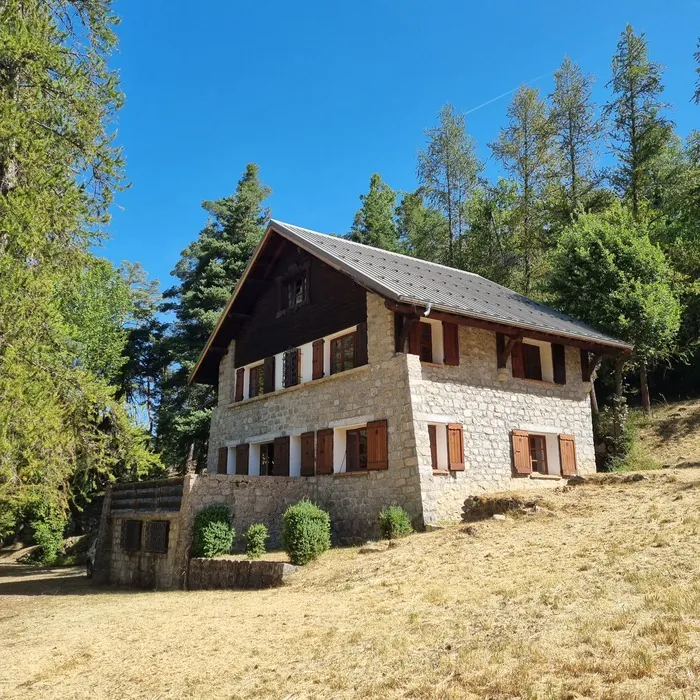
335,302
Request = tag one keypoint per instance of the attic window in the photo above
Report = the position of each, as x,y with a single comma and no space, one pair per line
294,291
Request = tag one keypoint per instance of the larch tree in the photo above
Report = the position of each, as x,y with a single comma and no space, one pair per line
525,149
422,230
577,132
639,132
208,270
448,171
374,222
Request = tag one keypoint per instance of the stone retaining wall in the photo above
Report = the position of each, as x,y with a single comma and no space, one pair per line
228,573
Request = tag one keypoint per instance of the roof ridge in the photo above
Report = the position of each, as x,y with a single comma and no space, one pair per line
381,250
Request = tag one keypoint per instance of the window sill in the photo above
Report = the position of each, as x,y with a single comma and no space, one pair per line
296,387
546,477
441,472
359,472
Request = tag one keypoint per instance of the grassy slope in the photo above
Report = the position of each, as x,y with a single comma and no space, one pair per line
672,434
596,596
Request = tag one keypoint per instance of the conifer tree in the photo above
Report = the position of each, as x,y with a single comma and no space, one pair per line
640,132
374,222
422,230
525,149
448,170
208,270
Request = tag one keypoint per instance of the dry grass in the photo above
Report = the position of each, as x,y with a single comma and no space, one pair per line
672,434
596,596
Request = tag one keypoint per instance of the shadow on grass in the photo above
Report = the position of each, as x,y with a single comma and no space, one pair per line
679,423
18,579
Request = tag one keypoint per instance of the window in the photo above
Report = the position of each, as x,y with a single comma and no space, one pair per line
156,540
538,454
267,459
291,366
426,342
294,292
532,361
131,535
343,353
356,450
256,385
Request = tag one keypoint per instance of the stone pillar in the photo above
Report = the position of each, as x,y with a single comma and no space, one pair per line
101,570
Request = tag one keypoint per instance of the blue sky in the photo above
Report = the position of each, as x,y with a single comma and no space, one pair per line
322,94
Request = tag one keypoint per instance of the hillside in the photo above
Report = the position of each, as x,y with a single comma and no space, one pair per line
595,595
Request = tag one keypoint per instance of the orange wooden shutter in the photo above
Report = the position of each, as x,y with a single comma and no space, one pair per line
242,453
432,436
324,451
222,460
521,452
282,456
317,359
377,445
559,363
361,345
455,447
450,336
567,455
517,360
414,338
240,374
307,454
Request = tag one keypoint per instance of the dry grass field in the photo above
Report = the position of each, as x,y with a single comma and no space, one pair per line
595,596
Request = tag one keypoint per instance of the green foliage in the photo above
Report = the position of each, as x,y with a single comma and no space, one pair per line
255,538
607,272
213,534
306,532
48,523
616,443
394,522
448,171
208,270
422,231
374,223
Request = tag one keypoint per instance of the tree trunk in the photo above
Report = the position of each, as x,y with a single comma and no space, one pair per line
594,399
644,386
617,420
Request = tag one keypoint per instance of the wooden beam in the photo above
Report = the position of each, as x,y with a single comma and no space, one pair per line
508,330
510,344
408,323
589,367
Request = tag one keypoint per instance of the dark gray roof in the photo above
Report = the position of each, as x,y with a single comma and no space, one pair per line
412,281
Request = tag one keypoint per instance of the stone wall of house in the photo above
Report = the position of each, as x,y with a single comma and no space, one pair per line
375,391
489,408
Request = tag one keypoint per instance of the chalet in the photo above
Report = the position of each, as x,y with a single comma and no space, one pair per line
359,378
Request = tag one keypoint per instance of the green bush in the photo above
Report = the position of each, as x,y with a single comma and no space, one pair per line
213,533
306,532
255,539
394,522
48,534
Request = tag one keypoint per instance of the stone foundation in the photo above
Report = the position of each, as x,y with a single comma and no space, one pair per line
227,573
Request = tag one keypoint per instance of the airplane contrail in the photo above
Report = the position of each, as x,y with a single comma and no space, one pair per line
505,94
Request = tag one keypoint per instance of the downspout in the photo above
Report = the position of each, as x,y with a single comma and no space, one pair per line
429,309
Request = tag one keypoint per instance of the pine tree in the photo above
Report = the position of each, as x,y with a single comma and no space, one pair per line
525,149
422,230
448,170
640,131
208,270
374,222
577,131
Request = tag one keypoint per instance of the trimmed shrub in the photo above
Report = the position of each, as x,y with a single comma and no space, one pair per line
306,532
255,539
394,522
213,533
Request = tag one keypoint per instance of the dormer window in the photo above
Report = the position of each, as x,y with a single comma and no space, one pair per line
294,291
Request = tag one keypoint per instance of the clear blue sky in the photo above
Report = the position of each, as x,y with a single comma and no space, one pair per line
322,94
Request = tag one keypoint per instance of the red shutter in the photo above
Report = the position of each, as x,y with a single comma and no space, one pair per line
521,452
559,363
324,451
242,452
567,455
307,454
222,460
450,338
414,338
500,350
517,360
455,447
317,359
377,445
361,345
269,370
282,456
240,374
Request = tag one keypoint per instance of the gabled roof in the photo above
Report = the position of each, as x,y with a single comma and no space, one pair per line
410,281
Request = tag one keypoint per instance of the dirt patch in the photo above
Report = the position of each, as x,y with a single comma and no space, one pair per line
486,506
